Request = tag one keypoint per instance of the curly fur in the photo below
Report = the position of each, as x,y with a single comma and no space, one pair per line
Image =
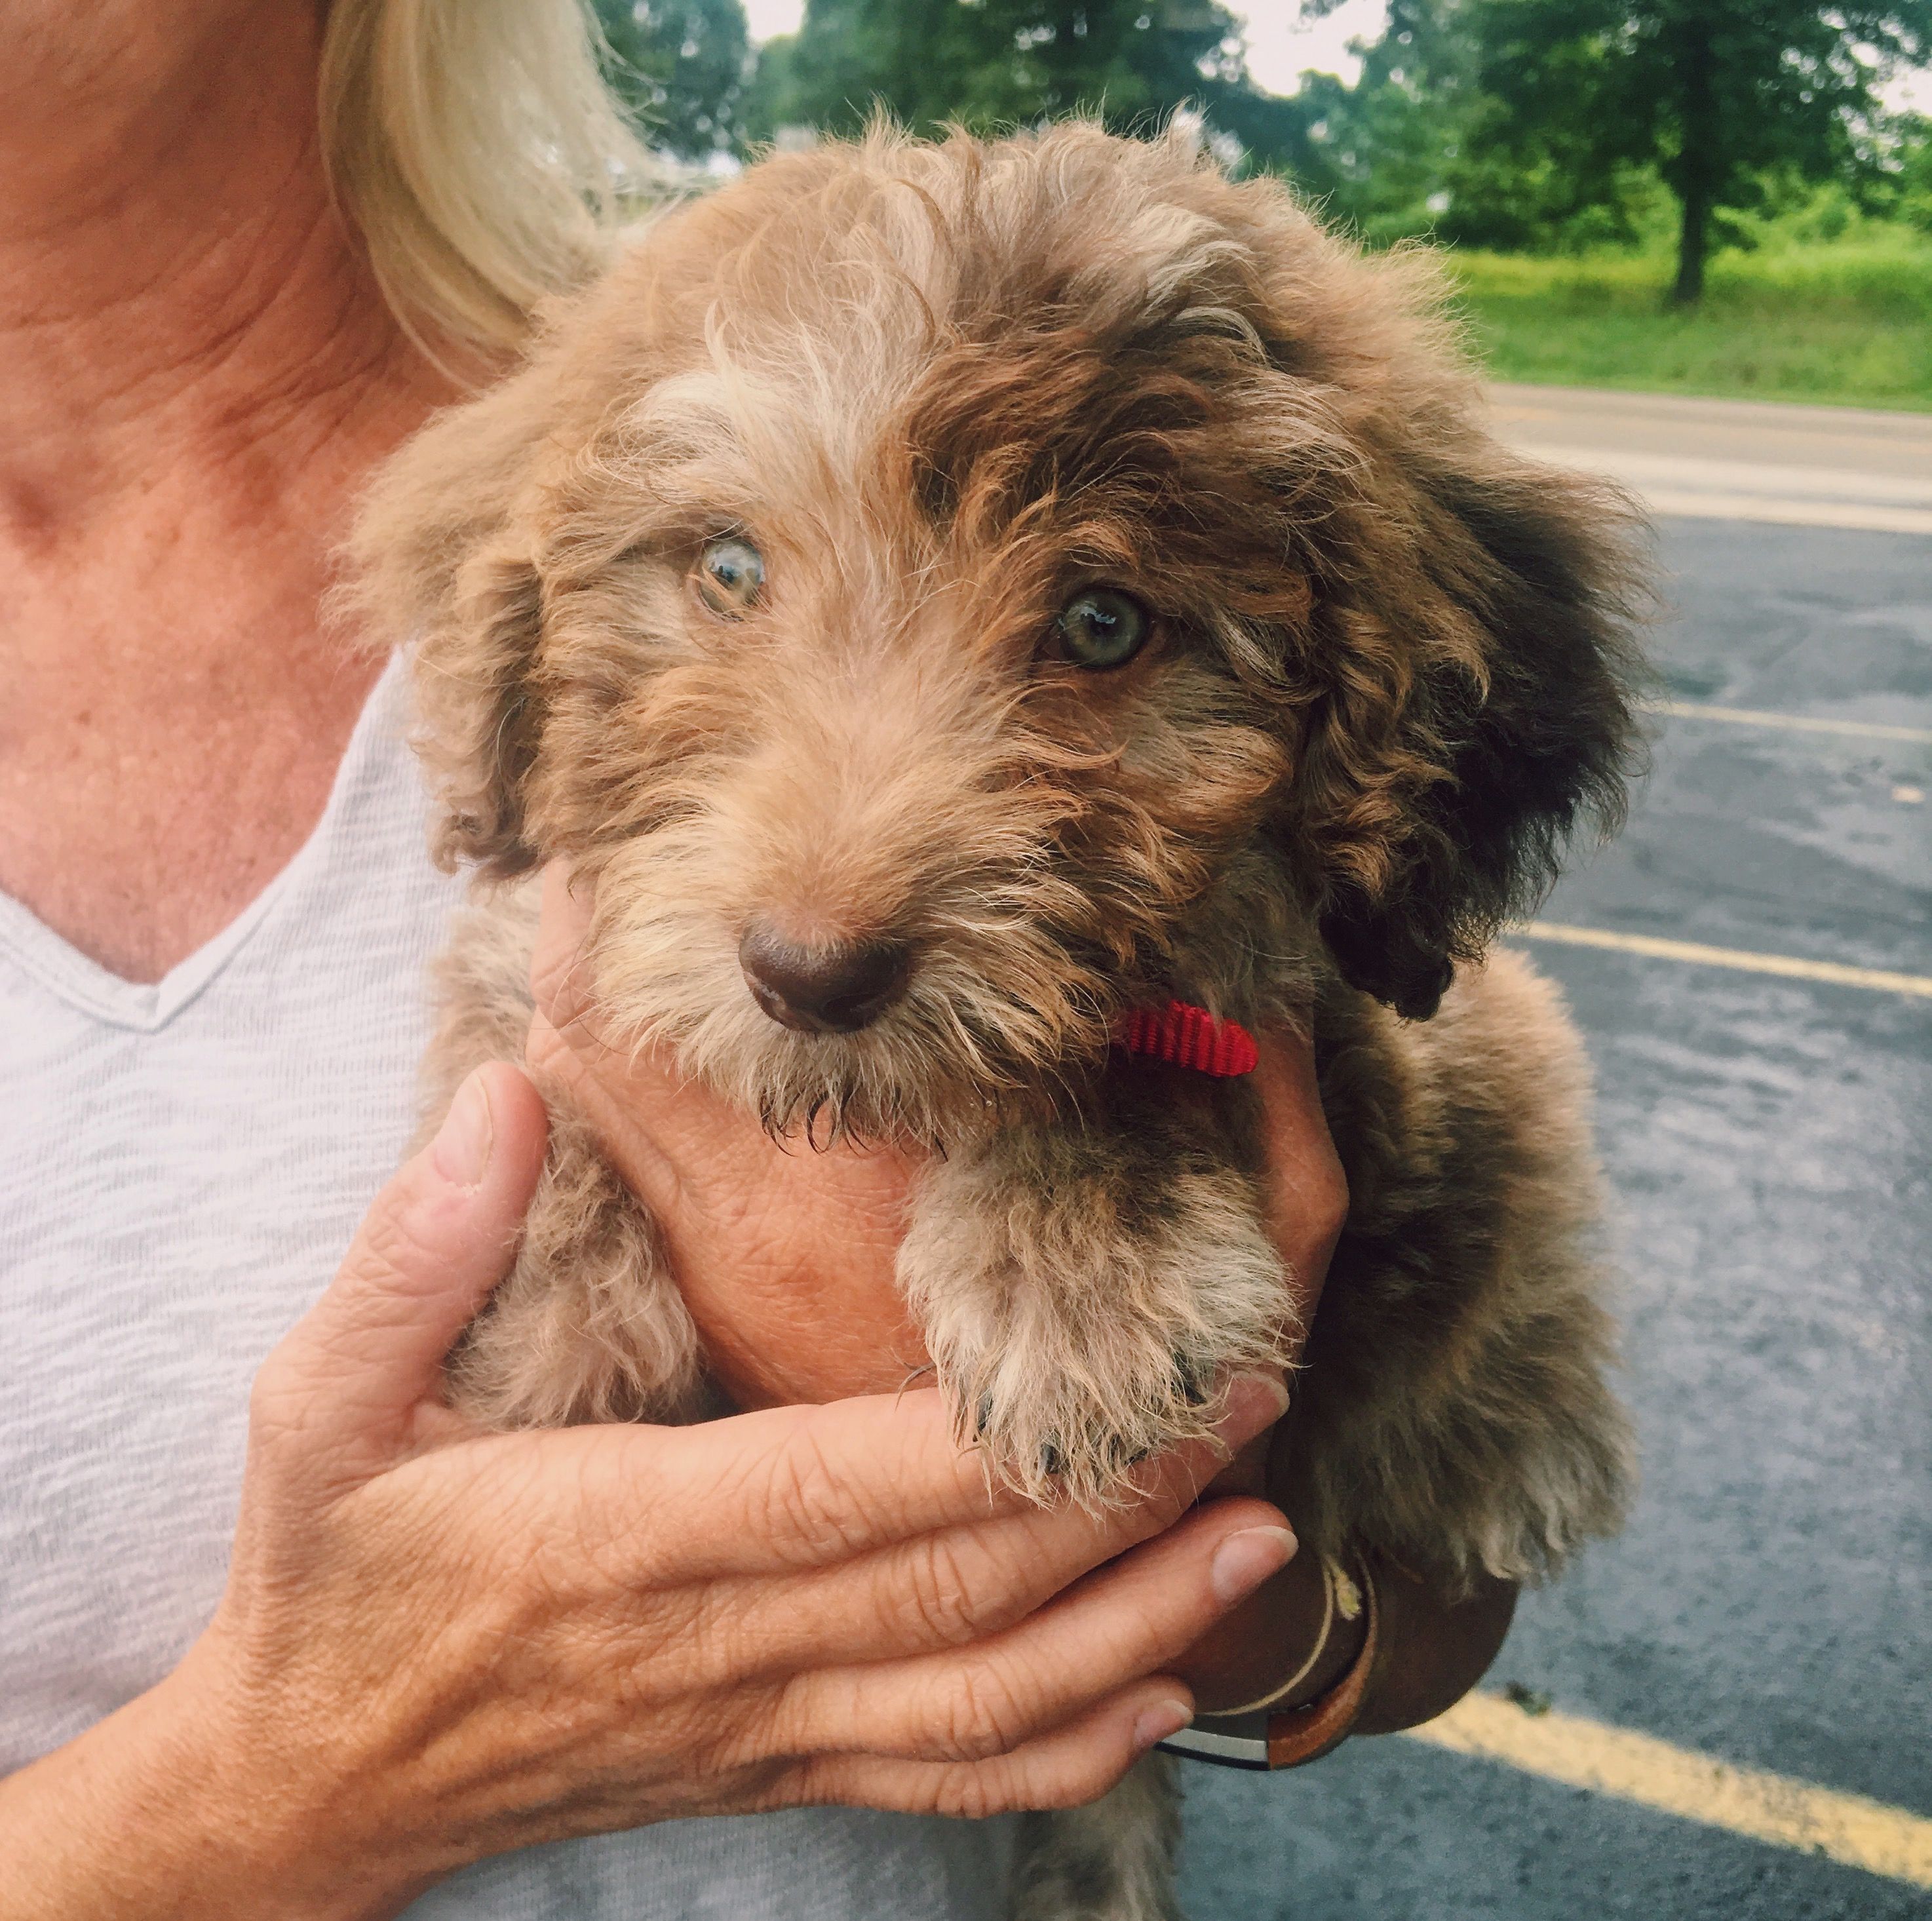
944,386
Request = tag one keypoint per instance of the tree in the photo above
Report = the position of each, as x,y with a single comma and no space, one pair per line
682,65
993,63
1399,152
1383,154
1908,185
1714,95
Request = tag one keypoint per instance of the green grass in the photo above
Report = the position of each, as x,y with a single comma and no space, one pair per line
1848,323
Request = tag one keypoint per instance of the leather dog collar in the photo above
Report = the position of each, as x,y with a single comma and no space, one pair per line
1269,1737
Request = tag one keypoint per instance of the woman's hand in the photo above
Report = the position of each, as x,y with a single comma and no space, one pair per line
784,1256
436,1644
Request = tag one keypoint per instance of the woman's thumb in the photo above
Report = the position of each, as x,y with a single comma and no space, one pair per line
353,1371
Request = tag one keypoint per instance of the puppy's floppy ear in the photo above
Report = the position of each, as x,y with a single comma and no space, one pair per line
1478,708
440,561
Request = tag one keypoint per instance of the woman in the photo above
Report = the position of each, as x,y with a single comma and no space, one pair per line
434,1651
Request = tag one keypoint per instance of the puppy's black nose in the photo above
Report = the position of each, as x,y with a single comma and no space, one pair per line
828,987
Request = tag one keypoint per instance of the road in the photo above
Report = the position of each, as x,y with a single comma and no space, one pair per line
1799,466
1771,1604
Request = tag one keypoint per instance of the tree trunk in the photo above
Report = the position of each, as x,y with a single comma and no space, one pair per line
1063,57
1692,241
1697,164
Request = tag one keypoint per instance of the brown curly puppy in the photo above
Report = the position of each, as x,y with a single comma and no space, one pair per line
947,596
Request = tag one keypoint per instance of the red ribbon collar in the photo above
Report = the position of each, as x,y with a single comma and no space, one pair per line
1185,1036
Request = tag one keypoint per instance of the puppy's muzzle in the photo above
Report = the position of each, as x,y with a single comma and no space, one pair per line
834,986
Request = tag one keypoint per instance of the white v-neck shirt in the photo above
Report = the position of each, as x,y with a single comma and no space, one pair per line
182,1167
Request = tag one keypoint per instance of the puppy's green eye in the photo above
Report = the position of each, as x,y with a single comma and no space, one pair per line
1102,627
729,575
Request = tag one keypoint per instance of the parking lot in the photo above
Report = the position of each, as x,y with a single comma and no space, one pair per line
1770,1608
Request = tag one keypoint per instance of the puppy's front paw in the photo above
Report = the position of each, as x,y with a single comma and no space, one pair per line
1076,1335
587,1324
1052,1431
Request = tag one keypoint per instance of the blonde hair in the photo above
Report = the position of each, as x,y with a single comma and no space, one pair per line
475,146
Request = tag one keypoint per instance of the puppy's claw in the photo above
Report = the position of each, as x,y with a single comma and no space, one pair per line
1193,1380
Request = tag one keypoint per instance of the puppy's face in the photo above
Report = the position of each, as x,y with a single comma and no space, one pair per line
903,742
918,576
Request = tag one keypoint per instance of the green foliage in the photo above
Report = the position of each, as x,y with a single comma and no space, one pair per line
1551,124
1401,153
1793,319
1606,132
1714,95
1903,190
989,64
682,65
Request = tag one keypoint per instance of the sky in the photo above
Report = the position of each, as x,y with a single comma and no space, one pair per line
1281,47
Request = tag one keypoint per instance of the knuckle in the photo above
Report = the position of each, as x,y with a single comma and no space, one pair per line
963,1789
1167,1493
936,1601
834,1781
726,1650
974,1794
286,1403
979,1716
400,1234
801,1720
1051,1788
801,1497
1030,1784
747,1737
1041,1782
272,1393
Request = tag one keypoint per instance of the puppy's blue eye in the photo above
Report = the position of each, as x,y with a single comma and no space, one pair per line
729,575
1102,627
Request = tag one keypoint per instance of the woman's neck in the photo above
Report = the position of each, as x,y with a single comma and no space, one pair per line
196,372
182,307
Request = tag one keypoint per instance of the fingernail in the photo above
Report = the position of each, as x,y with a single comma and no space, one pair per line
1254,1402
461,1151
1243,1561
1156,1723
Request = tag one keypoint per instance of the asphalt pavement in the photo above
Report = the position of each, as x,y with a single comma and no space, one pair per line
1770,1603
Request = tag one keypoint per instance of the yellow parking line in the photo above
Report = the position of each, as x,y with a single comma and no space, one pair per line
1867,729
1619,1761
1833,972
